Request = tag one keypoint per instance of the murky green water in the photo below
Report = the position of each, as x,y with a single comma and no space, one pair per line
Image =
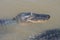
10,8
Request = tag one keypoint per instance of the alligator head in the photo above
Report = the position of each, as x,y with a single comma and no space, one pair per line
32,17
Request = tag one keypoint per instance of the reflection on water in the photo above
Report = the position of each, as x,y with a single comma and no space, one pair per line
10,8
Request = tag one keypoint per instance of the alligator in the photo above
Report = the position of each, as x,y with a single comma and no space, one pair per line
28,17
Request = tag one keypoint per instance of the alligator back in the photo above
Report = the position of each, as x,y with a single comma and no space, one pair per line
6,21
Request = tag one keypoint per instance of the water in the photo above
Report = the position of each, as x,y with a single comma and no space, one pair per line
10,8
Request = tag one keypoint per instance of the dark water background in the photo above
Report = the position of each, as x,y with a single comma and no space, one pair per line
10,8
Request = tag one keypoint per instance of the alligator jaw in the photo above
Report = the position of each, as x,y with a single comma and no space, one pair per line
38,21
38,18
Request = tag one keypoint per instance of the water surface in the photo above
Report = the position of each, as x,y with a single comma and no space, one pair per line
10,8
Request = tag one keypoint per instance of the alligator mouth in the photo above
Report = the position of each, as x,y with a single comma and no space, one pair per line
38,18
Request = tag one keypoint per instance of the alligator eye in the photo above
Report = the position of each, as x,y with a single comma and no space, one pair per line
48,16
48,35
14,19
26,14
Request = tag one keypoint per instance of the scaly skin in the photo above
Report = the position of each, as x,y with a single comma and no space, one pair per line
4,22
48,35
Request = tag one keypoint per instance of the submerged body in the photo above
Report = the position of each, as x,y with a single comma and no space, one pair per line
6,21
47,35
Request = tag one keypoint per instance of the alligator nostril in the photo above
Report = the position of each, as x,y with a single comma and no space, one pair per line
48,16
14,19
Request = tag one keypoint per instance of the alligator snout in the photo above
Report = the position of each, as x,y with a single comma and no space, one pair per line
41,17
32,17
